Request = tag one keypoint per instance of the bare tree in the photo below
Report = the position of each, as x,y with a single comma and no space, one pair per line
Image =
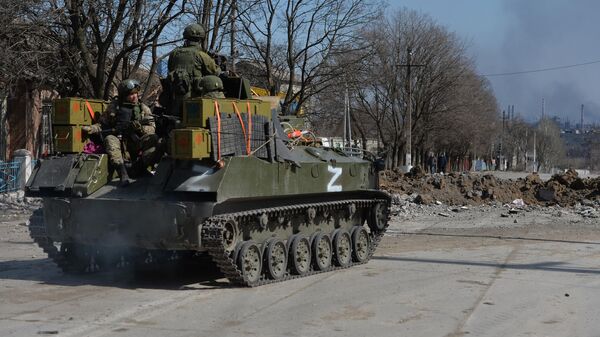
313,32
113,37
29,60
453,109
27,49
259,43
467,128
518,142
549,146
81,47
217,17
593,160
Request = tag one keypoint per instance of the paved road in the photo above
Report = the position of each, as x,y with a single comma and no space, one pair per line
471,274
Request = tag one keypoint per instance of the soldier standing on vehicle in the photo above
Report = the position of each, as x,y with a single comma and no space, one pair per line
187,65
127,121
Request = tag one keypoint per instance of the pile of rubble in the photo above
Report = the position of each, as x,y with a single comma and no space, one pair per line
15,204
566,189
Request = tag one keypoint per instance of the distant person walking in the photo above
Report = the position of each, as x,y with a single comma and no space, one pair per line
431,162
441,163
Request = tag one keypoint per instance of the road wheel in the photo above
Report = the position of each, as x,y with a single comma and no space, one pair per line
250,262
276,259
230,235
378,217
342,248
360,244
322,252
300,255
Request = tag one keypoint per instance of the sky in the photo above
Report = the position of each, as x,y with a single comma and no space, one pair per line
506,36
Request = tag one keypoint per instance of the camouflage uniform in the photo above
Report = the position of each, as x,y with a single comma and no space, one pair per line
214,94
138,135
187,65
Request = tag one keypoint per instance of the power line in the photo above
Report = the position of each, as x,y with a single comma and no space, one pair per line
544,69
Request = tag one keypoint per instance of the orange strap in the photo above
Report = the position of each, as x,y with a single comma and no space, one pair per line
90,110
218,130
237,112
248,142
295,134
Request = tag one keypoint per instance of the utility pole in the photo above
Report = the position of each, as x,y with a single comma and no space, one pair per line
233,32
534,153
347,122
526,150
513,159
408,66
501,154
3,133
409,110
543,107
581,125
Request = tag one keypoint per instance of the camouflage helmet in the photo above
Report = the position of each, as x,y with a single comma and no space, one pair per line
210,83
194,32
128,86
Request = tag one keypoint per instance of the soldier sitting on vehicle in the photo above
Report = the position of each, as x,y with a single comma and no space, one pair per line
212,86
129,122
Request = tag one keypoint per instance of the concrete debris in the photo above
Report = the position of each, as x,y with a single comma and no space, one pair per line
587,202
588,212
518,202
15,205
546,194
424,199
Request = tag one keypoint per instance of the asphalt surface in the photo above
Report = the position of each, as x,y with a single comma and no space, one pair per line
470,273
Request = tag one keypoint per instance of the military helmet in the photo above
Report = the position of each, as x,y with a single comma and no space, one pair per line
194,32
128,86
210,83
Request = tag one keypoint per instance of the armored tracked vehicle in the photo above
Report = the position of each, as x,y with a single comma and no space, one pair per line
265,207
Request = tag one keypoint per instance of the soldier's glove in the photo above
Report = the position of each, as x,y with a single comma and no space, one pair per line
87,129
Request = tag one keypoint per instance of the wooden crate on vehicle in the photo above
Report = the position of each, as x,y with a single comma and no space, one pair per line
77,111
69,138
197,111
190,143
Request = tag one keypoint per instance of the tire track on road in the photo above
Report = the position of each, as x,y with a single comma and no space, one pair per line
458,332
106,325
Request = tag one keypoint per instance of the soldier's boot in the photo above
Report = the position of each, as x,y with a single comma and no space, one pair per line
139,169
123,176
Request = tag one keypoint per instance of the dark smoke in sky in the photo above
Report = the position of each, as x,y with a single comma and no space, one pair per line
543,34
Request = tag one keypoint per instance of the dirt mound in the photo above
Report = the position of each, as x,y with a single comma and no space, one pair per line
566,189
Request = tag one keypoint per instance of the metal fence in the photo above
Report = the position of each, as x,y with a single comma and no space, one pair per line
9,174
